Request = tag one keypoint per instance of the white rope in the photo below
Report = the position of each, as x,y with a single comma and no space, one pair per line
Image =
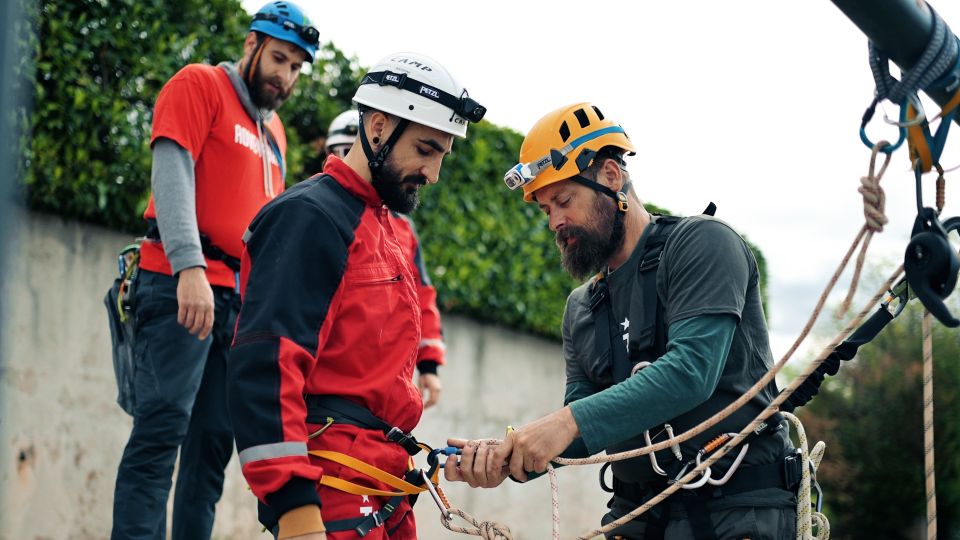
807,518
928,461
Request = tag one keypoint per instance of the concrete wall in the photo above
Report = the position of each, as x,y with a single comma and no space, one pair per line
61,433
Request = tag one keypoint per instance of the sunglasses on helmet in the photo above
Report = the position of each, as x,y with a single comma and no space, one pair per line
309,34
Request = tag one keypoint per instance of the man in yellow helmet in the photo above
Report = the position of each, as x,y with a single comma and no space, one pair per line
669,331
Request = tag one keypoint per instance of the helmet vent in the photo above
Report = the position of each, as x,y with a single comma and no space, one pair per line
582,117
564,131
596,110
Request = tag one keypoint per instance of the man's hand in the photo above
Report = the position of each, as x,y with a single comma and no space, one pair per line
477,465
429,383
195,302
532,446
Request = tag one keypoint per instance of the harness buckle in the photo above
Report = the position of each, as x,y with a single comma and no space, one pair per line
405,440
793,470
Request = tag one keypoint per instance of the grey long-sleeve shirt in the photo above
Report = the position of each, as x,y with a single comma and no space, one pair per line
173,183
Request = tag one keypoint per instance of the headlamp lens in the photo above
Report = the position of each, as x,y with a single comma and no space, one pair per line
517,176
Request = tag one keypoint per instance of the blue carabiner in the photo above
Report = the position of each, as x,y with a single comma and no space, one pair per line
888,149
433,459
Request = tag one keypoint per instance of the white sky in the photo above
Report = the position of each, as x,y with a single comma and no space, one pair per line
754,104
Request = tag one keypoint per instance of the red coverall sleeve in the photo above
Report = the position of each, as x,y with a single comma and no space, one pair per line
432,348
292,267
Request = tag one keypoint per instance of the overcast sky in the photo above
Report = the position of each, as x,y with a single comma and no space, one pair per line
753,104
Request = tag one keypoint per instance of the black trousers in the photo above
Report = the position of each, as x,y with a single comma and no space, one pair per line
180,387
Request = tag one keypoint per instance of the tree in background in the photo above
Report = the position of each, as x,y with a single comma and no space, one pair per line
99,67
871,417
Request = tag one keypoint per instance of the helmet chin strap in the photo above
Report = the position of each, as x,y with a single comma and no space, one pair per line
376,160
254,61
619,197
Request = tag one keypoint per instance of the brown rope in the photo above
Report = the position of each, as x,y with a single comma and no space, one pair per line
941,190
928,461
874,201
488,530
766,413
752,392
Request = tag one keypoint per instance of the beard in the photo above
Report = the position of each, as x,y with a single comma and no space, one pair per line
262,92
594,245
400,193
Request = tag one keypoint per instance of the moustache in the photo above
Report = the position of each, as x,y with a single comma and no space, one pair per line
418,180
565,234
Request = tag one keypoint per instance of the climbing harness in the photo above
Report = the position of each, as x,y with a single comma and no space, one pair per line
328,410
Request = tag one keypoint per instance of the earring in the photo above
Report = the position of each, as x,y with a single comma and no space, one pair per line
376,140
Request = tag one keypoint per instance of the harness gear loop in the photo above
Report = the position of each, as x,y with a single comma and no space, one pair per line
808,516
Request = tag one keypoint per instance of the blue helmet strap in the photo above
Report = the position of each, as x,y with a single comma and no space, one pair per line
619,197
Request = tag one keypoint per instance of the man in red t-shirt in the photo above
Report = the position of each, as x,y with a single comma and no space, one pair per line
218,157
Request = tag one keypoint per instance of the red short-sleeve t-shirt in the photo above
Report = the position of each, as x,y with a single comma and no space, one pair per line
199,110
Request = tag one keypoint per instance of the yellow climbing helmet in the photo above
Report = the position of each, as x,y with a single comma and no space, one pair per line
561,145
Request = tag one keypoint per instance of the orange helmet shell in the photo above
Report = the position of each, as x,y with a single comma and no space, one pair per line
561,128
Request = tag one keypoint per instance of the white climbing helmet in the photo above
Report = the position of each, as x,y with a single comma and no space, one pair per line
344,128
419,89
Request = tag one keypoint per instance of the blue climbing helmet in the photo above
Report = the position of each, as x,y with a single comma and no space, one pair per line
286,21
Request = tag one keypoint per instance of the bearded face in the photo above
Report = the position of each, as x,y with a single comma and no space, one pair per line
401,193
267,92
585,250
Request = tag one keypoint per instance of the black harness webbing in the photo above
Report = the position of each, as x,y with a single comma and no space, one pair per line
211,251
343,411
322,409
831,365
647,332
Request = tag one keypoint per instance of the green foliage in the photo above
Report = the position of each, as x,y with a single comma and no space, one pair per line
99,65
320,95
872,421
490,254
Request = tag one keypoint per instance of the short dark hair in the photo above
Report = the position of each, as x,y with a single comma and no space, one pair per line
607,152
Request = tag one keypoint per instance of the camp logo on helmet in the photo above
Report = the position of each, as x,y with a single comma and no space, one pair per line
411,62
432,92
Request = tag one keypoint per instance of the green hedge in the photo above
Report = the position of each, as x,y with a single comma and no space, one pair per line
99,66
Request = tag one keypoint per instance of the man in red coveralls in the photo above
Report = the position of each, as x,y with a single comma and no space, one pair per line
330,327
218,157
340,138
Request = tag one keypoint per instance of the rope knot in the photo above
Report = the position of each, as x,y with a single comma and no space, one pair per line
874,202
